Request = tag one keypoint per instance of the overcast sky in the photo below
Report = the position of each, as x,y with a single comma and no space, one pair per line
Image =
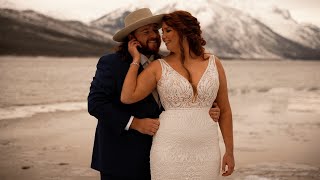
87,10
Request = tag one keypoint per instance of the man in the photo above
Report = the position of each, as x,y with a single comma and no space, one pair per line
124,132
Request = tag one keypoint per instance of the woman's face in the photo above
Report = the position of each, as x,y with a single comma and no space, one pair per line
170,37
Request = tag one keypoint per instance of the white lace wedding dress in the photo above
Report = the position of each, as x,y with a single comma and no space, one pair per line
186,145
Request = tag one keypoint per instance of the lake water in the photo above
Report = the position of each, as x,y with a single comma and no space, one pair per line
275,105
48,83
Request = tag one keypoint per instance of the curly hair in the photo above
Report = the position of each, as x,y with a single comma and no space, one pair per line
187,26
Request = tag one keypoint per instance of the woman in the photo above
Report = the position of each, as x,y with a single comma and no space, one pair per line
188,81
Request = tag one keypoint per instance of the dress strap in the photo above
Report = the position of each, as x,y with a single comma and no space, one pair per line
214,64
164,66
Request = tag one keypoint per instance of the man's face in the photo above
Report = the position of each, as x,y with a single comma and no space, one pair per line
149,38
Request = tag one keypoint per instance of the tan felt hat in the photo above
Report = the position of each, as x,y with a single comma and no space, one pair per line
135,20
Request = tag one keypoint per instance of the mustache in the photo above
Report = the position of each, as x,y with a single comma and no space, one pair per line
154,39
145,48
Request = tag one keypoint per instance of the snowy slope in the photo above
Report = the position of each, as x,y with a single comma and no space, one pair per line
232,33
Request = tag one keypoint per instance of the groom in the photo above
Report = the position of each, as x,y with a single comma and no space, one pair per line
124,132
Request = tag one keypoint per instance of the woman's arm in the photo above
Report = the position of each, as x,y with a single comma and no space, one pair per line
225,120
136,88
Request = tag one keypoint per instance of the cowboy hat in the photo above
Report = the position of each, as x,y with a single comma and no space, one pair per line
135,20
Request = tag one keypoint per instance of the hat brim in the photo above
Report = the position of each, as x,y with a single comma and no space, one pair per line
121,35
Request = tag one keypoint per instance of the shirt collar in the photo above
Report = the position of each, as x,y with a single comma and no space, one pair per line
144,59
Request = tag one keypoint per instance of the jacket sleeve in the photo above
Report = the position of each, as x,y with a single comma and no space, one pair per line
102,102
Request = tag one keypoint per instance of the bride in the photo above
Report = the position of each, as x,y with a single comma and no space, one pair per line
188,81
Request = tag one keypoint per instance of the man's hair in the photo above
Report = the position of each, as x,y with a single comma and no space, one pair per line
122,49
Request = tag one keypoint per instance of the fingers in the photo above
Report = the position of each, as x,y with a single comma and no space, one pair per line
134,43
228,161
153,131
156,122
229,171
214,115
215,105
133,50
154,127
214,112
150,126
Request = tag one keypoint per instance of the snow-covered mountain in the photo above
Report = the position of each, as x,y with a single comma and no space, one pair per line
232,33
31,33
113,21
72,28
281,22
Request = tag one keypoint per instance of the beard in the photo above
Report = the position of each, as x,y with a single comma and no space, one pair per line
146,50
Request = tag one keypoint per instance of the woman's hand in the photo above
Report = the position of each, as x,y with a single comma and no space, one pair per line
133,45
228,160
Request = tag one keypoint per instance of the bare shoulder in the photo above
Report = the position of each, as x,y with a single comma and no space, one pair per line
155,64
208,55
154,67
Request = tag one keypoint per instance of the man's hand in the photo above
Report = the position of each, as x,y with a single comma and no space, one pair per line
214,112
146,125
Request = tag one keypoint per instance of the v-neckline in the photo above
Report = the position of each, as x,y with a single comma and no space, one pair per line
205,71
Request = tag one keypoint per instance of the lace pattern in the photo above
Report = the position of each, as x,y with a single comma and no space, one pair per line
186,145
176,92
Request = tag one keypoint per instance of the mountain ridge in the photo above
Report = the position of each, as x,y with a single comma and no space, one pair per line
244,37
31,33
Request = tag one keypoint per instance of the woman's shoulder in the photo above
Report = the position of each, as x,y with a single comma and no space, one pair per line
155,64
208,55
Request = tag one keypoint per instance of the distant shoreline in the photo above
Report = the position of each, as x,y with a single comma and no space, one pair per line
98,56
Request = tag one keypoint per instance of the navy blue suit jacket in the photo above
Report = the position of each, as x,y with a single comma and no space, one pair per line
117,151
